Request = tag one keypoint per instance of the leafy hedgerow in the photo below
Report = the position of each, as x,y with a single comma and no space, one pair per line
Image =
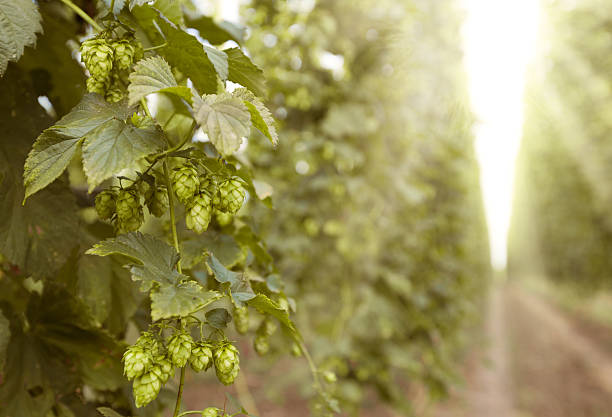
169,246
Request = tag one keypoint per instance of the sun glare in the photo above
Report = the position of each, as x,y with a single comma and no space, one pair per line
499,39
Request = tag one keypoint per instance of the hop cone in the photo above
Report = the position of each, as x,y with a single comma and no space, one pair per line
186,183
98,57
201,357
267,327
156,200
179,349
146,387
227,363
114,95
105,204
223,218
261,343
129,211
210,412
95,85
125,53
230,196
199,212
241,319
166,370
149,342
136,361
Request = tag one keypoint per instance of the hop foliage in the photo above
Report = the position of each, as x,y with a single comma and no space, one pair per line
227,363
186,183
129,211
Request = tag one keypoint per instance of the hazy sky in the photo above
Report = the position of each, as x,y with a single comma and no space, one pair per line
500,37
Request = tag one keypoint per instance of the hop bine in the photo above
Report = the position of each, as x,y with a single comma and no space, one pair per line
227,363
199,212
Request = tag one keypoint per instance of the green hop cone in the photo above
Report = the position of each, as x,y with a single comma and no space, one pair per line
136,361
201,357
186,183
129,211
95,85
199,212
241,319
114,95
146,387
126,53
224,219
179,349
230,196
149,342
98,57
166,370
105,204
227,363
210,412
261,344
156,200
267,327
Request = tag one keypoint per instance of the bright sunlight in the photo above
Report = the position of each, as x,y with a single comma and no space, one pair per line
499,41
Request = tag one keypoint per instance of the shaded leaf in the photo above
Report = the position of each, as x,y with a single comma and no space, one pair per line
19,23
261,118
225,119
222,245
218,318
180,300
217,32
153,75
117,7
244,72
266,306
239,285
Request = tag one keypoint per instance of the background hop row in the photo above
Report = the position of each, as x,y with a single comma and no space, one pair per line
108,61
202,199
124,206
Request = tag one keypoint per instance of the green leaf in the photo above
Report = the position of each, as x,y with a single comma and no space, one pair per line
222,245
153,75
115,146
5,337
92,112
219,60
261,118
244,72
156,260
108,412
19,23
218,318
171,10
217,32
266,306
180,300
225,119
186,53
239,285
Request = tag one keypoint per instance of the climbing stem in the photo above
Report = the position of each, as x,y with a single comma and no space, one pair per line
84,15
179,396
172,216
311,365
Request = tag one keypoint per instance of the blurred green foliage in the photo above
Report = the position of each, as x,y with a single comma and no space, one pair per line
378,225
561,225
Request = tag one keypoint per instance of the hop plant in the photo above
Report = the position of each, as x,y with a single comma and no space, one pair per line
179,349
126,53
98,57
136,361
230,196
211,412
186,183
146,387
201,357
199,212
129,211
227,363
261,344
105,204
156,200
241,319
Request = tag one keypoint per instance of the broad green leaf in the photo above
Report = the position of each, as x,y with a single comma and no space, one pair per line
218,318
108,412
225,119
48,158
134,3
223,246
91,112
266,306
217,32
180,300
155,259
186,53
244,72
5,337
115,146
261,118
153,75
239,284
219,60
171,10
19,23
